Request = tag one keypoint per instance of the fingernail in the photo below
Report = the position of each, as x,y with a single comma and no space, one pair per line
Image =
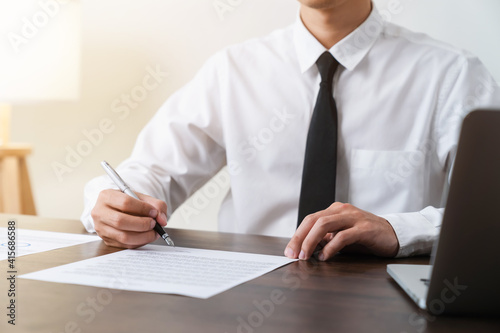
153,223
289,253
302,255
321,256
153,213
163,219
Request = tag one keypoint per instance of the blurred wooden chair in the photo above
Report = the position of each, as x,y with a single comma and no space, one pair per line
15,188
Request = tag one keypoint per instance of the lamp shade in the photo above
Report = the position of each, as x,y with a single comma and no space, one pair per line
39,50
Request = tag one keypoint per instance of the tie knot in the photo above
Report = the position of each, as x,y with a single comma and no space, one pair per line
327,65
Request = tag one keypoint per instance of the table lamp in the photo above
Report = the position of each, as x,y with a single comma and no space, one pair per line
39,62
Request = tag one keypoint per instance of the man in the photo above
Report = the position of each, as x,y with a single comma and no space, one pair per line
398,101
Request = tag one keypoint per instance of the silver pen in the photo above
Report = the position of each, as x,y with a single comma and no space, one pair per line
127,190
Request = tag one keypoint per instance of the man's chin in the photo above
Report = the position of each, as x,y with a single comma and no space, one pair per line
322,4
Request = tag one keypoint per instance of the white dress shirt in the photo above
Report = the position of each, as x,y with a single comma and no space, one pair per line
400,95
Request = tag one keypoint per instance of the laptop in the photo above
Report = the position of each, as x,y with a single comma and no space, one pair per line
464,277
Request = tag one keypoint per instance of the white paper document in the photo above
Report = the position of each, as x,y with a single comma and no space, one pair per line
162,269
35,241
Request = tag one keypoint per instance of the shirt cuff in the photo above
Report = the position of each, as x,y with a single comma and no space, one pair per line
91,193
416,232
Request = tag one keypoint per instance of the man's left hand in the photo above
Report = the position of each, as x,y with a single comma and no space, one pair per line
342,226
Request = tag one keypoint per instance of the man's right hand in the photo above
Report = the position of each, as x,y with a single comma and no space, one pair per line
123,221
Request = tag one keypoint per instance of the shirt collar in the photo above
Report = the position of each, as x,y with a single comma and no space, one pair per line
348,52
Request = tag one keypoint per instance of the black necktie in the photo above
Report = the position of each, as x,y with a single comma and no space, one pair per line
320,162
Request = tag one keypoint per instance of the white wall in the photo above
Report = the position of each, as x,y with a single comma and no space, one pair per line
470,25
122,38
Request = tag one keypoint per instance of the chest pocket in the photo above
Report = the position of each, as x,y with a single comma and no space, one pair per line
386,181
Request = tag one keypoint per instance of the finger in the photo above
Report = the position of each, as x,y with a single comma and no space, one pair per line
126,204
114,243
126,222
323,225
125,239
160,206
341,240
292,249
328,237
335,207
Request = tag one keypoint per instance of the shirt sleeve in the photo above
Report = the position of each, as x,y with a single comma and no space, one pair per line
179,149
467,86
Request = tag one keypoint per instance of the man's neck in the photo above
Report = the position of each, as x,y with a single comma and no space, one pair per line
330,25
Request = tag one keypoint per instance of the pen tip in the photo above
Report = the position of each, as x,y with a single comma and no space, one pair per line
169,241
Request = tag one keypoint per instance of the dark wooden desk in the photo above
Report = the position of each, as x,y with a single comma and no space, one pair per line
348,294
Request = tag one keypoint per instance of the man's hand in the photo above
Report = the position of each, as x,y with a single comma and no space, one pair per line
123,221
342,226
